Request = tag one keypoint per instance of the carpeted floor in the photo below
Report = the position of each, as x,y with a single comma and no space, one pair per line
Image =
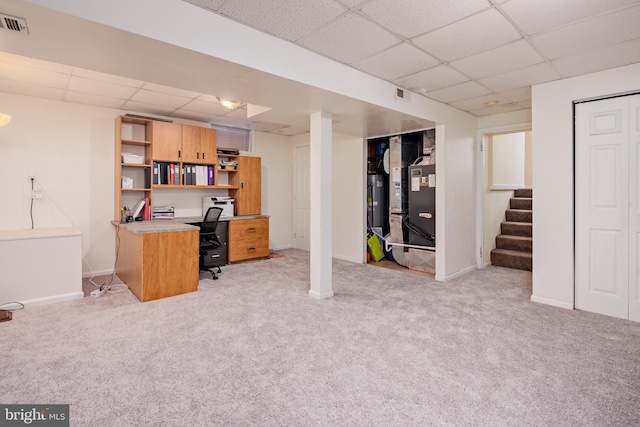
390,349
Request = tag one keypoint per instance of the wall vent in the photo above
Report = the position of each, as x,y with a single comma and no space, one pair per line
402,94
12,23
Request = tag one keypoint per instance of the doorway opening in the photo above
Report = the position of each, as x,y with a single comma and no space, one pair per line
401,201
506,218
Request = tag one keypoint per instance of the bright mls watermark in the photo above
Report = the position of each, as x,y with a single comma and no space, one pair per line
34,415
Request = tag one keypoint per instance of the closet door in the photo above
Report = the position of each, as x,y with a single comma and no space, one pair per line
634,208
602,231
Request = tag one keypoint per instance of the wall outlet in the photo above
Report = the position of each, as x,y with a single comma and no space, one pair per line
36,194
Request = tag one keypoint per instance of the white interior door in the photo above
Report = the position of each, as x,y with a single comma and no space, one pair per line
603,191
301,199
634,208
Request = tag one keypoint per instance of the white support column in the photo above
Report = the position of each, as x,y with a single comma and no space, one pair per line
320,227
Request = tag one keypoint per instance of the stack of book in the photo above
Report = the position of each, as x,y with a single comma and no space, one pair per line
163,212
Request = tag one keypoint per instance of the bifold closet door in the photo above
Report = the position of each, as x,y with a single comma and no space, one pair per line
607,230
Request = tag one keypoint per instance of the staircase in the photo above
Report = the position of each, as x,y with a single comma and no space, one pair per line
514,245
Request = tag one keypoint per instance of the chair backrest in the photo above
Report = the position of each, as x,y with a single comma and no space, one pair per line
210,221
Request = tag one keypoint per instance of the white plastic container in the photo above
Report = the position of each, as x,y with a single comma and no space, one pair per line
132,159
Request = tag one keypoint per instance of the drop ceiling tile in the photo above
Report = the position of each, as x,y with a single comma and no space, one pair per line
590,35
263,126
170,90
290,131
207,4
29,89
141,107
100,88
238,113
192,115
283,18
517,95
108,78
525,104
477,33
611,57
432,79
413,17
458,92
400,60
161,99
478,103
535,17
32,75
89,99
489,111
510,57
535,74
349,39
35,63
209,105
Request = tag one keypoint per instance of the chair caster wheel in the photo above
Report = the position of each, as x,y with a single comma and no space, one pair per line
215,277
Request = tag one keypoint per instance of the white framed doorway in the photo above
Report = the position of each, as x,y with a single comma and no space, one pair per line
489,205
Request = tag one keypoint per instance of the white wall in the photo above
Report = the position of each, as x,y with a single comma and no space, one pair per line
277,186
349,181
456,195
70,149
553,221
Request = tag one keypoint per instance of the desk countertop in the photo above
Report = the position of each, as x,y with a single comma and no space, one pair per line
173,225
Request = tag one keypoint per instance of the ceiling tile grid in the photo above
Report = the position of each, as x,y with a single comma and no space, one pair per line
463,52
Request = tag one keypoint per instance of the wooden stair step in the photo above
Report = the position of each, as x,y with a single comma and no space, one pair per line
517,228
521,203
512,259
519,215
515,243
523,192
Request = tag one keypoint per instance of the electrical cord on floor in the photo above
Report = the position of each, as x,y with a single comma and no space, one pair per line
121,286
31,207
105,286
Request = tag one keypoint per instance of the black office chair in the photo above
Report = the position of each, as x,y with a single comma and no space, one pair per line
212,251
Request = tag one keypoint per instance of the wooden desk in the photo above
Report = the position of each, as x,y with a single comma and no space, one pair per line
159,259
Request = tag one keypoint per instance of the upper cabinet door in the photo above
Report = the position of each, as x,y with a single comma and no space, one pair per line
167,141
191,144
208,145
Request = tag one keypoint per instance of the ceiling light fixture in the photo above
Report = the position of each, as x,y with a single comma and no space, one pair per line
491,103
229,103
4,119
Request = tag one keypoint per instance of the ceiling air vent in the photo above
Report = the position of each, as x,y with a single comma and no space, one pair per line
402,94
12,23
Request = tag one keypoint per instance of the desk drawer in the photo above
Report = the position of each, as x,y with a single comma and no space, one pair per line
248,239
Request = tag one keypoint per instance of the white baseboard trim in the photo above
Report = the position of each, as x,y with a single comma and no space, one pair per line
320,295
52,299
96,273
344,258
552,302
280,248
441,278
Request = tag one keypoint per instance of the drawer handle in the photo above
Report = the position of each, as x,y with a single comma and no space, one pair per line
251,249
251,230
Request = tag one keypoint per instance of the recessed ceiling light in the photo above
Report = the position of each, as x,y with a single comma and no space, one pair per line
228,103
491,103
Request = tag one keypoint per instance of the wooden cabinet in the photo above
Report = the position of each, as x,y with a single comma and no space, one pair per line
167,141
248,180
248,239
158,265
198,145
158,145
